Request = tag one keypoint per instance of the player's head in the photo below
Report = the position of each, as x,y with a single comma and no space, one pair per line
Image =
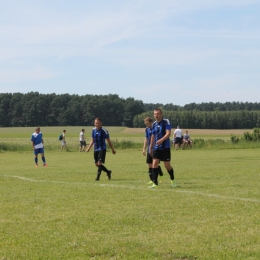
148,121
83,130
37,129
64,131
157,113
98,122
186,131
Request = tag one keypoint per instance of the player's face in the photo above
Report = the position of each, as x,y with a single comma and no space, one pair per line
98,124
148,124
157,115
37,130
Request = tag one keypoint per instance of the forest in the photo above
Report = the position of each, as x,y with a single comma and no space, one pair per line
33,108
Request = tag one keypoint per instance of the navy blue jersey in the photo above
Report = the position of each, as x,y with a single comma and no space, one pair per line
148,135
99,136
159,131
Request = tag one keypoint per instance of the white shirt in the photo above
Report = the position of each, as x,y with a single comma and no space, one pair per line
81,136
178,132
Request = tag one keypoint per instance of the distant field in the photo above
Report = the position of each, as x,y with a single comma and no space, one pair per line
134,134
60,212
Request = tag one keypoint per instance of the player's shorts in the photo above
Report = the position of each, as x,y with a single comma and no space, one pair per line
39,150
82,143
162,155
178,140
100,156
63,143
149,159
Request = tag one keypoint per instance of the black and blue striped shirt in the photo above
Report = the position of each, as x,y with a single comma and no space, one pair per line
99,136
159,131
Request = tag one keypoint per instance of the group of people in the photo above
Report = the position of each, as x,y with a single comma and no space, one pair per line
180,140
157,147
99,138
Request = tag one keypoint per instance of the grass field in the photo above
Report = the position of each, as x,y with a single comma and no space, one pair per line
21,135
60,212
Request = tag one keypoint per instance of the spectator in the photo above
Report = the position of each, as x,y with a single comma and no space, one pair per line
177,136
186,140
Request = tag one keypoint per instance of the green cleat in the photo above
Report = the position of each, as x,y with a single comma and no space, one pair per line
174,183
150,182
154,186
161,179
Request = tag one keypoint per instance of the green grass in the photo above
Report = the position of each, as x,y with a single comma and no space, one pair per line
60,212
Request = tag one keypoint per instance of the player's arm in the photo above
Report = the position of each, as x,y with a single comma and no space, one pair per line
151,145
33,145
165,137
145,145
90,145
111,146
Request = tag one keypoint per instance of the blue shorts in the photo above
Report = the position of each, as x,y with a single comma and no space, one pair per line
39,150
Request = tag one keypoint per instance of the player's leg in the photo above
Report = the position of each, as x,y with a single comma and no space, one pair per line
43,157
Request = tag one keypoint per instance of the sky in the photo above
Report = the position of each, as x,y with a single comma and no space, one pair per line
157,51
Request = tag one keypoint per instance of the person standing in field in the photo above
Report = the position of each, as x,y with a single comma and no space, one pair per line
149,160
37,144
178,138
99,137
63,141
82,141
160,146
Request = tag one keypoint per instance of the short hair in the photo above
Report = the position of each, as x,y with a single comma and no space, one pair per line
158,109
148,119
64,130
98,119
82,129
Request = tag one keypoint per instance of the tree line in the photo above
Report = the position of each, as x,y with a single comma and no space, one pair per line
33,108
206,119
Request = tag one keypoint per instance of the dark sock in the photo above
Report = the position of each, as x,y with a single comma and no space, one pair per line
171,173
150,174
98,175
36,160
160,170
103,168
43,160
155,175
100,168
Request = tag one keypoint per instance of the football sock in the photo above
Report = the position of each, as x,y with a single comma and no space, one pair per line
155,175
43,160
103,168
150,174
36,160
160,170
100,168
171,173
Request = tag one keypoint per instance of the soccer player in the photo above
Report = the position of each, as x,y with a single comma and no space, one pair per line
37,144
99,137
160,147
63,141
149,160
